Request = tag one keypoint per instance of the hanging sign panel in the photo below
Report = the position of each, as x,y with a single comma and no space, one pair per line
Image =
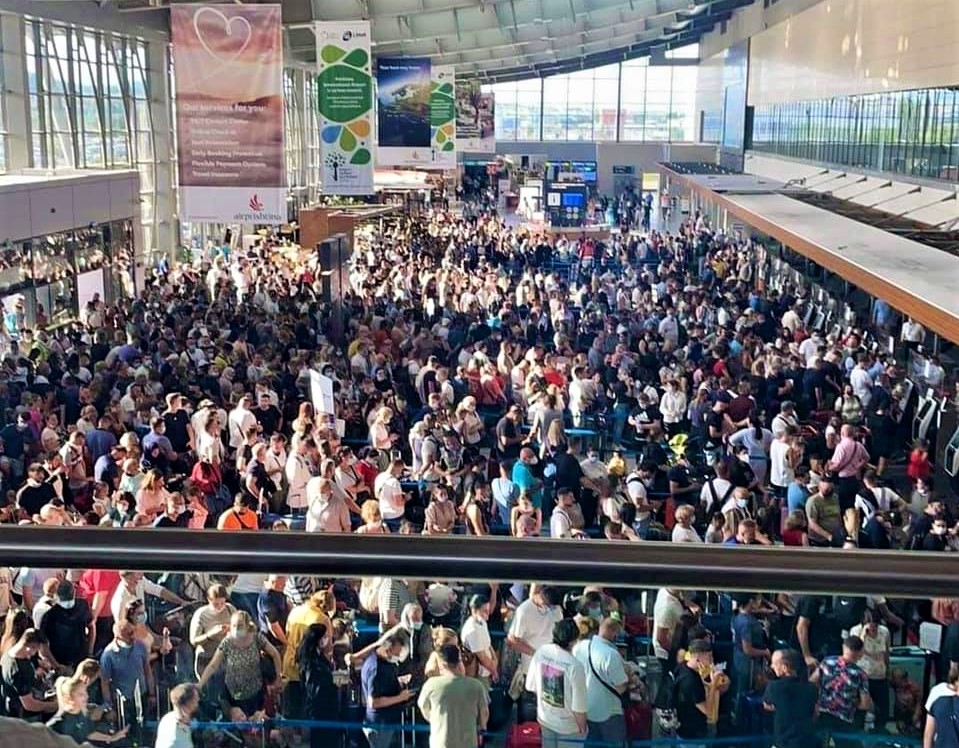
475,119
403,111
345,105
443,116
228,65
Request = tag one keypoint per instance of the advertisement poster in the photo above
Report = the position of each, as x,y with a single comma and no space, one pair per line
228,62
403,111
475,117
345,106
443,116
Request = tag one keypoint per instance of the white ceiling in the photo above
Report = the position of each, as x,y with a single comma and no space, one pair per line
502,39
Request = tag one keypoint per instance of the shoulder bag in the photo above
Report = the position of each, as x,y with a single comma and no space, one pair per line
624,699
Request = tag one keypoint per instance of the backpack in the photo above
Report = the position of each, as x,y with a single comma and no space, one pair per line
703,515
206,476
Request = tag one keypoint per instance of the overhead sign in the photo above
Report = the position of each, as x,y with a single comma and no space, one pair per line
345,106
475,119
403,99
443,116
228,61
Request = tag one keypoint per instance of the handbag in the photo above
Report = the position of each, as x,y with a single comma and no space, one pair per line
624,698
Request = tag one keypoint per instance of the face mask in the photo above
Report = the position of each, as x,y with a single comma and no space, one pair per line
595,613
396,659
592,459
742,503
140,618
417,625
123,645
67,604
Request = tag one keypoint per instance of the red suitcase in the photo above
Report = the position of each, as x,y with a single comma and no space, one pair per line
525,735
639,721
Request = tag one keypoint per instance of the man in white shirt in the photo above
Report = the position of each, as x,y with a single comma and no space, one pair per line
240,420
912,333
532,627
475,639
861,382
174,730
559,682
560,522
791,319
298,473
133,586
606,680
667,624
387,490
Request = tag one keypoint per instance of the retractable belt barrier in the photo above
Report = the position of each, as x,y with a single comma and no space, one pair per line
899,741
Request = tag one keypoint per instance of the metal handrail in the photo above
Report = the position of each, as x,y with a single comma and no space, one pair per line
619,564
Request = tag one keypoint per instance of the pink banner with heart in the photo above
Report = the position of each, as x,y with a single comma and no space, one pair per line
228,73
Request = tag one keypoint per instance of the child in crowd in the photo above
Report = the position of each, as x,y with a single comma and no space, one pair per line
907,710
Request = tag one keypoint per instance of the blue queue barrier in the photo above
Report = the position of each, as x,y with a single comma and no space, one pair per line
865,739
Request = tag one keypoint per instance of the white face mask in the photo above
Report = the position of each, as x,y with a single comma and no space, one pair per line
123,645
67,604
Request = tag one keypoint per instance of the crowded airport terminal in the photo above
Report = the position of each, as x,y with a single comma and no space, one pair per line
460,373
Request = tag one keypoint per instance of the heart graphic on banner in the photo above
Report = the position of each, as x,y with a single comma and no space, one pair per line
227,27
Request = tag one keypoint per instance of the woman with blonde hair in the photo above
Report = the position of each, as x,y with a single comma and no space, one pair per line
373,523
72,719
380,437
468,423
442,637
302,425
243,673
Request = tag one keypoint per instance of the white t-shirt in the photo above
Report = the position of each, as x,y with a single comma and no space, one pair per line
720,486
937,691
534,626
874,650
667,612
388,492
171,734
123,597
559,681
608,662
560,525
636,489
685,535
780,473
475,637
246,584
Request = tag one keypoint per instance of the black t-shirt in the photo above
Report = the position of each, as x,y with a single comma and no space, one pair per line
507,429
76,726
271,607
176,430
714,422
795,702
741,474
34,498
568,473
821,627
19,678
690,692
268,418
182,520
66,631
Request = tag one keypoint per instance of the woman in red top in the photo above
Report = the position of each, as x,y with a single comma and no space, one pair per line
919,467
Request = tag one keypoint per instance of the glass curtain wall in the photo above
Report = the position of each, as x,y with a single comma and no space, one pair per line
630,101
903,132
89,106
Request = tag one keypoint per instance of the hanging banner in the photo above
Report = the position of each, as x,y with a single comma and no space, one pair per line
403,111
228,63
345,105
475,117
443,116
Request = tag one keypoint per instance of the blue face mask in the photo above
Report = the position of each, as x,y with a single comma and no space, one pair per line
417,625
595,612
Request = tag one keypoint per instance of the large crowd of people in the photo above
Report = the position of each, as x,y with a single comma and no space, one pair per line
474,379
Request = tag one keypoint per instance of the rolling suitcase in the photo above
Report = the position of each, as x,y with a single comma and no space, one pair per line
524,735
